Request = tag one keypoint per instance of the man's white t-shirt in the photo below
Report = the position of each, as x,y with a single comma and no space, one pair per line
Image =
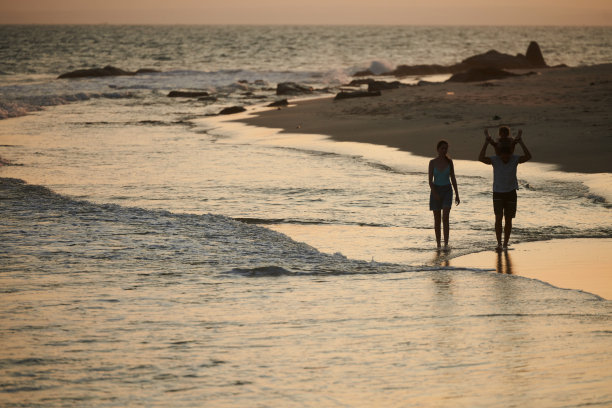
504,174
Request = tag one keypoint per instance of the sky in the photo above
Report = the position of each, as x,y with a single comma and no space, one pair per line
396,12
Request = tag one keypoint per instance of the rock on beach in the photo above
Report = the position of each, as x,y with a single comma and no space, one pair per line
374,85
187,94
279,103
231,110
103,72
292,88
480,74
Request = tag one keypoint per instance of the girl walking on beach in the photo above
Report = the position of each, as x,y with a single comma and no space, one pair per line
441,176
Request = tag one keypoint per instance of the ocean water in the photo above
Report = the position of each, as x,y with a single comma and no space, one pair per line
216,58
154,255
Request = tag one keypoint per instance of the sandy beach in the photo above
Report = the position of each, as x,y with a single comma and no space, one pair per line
564,114
566,120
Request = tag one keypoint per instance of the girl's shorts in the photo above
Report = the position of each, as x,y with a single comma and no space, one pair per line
446,198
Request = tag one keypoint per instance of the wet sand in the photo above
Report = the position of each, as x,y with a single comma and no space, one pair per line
564,114
583,264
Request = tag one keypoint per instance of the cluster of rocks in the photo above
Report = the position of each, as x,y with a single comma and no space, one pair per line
282,89
202,96
481,67
478,68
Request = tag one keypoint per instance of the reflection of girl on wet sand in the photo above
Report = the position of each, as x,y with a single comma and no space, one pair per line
442,182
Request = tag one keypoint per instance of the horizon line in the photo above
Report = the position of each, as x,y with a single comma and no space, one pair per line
309,24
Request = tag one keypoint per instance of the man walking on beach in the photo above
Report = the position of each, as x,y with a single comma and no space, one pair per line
505,185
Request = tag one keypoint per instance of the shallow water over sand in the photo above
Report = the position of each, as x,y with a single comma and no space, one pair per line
366,202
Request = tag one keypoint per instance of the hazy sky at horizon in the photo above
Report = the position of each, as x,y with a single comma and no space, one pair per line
422,12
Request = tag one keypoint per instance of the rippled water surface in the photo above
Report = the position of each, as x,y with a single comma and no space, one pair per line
106,305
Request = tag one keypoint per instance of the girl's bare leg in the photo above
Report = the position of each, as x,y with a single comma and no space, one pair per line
446,224
437,220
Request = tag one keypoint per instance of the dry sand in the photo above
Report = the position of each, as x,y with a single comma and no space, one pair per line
565,114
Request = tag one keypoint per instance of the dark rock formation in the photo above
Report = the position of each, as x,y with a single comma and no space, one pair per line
409,70
356,94
490,59
231,110
494,59
480,74
147,71
187,94
282,102
383,85
534,55
102,72
291,88
95,72
374,85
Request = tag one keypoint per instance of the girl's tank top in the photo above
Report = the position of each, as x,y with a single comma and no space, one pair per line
441,177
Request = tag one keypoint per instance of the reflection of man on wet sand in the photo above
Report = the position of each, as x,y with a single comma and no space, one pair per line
504,267
505,184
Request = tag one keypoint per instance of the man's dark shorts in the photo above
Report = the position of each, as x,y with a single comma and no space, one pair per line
504,204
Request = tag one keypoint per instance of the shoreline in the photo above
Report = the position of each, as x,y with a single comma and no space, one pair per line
565,120
562,111
567,263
